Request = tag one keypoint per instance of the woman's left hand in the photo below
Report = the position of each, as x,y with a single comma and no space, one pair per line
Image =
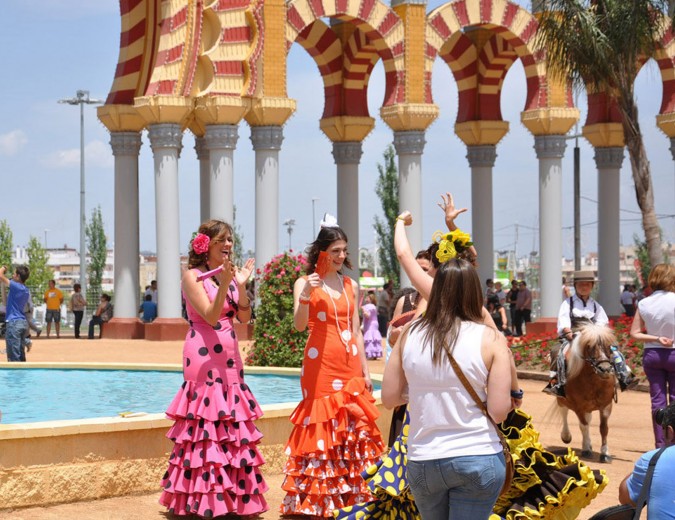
244,273
369,383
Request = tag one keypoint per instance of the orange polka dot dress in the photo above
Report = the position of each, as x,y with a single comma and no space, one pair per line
334,437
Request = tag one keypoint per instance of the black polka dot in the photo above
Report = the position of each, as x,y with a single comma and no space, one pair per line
241,373
244,462
181,452
186,463
229,314
187,362
219,380
209,374
201,423
184,383
258,478
232,287
236,399
203,351
194,396
172,456
188,474
192,334
171,510
230,363
190,416
248,469
234,414
256,491
234,336
251,452
220,496
251,404
187,508
166,476
217,348
225,449
217,326
234,425
209,383
220,481
167,485
207,401
244,442
208,513
202,454
205,476
190,430
242,484
244,387
246,499
216,424
206,435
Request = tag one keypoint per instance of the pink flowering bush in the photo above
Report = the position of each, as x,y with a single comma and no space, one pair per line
277,343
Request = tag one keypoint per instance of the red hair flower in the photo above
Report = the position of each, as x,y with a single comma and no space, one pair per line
200,244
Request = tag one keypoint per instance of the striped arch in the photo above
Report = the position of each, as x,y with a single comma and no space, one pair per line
494,62
381,29
514,25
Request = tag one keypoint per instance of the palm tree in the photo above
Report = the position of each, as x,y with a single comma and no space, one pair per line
600,45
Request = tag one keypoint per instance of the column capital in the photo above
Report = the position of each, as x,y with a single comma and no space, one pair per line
267,137
218,137
347,152
610,157
125,143
200,148
550,146
409,142
482,155
165,135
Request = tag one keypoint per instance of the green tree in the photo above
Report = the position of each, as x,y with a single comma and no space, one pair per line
6,245
386,189
600,45
97,249
238,249
40,272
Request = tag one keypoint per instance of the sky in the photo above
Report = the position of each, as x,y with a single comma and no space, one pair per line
53,48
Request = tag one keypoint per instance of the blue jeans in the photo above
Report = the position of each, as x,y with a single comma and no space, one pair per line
16,330
457,488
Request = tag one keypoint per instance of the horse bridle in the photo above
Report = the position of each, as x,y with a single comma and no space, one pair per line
602,367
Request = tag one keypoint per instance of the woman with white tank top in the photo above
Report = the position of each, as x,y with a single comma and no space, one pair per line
455,464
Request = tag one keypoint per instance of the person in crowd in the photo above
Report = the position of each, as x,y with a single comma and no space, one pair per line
384,301
371,332
16,324
32,324
654,325
456,466
78,304
523,307
661,491
152,291
489,289
148,309
501,295
575,312
628,300
334,436
498,314
53,297
214,467
512,298
102,314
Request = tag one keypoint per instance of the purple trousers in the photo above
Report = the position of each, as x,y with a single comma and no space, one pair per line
659,367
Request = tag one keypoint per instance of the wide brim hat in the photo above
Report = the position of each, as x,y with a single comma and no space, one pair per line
584,276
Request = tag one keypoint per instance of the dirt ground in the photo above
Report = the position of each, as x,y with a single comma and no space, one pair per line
630,431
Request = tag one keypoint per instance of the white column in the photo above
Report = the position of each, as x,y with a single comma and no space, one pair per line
165,141
409,147
204,181
550,151
266,143
482,160
221,140
347,156
126,147
608,161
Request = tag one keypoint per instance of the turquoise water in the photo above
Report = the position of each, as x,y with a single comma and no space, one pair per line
38,394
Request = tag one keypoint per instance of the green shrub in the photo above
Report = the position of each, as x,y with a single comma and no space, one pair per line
276,342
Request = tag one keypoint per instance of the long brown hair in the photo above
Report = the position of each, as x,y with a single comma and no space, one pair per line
324,239
212,229
456,296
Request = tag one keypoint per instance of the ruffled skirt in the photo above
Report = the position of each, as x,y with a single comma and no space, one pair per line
333,440
544,486
214,467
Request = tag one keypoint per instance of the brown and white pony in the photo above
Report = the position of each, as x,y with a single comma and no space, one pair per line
591,385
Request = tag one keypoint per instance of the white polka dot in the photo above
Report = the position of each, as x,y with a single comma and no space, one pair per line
304,393
288,450
313,353
302,370
321,316
320,444
337,384
355,351
305,421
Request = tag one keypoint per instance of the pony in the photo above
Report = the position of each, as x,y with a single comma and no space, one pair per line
591,385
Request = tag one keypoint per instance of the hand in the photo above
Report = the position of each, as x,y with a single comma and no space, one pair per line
244,273
394,334
228,272
369,383
448,207
406,217
666,342
313,282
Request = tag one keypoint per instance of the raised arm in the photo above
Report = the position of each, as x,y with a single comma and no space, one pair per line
418,277
447,204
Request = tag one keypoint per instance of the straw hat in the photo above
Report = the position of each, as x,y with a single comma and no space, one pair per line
584,276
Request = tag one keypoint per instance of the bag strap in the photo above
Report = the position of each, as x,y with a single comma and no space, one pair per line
644,492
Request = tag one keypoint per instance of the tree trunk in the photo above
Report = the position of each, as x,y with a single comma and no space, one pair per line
642,178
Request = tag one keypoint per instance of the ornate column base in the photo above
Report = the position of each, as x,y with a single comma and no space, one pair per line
124,328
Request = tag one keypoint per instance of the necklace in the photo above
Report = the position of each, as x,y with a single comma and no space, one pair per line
345,335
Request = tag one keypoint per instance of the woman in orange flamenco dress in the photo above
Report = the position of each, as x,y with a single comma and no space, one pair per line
334,437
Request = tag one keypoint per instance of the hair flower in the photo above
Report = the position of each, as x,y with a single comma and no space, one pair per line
200,243
450,244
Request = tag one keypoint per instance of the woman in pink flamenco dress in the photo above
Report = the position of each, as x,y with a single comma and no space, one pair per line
372,339
214,467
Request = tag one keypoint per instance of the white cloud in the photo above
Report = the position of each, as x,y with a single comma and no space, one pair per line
96,154
12,142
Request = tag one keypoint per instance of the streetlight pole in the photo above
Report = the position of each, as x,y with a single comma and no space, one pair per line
289,223
314,199
46,237
81,98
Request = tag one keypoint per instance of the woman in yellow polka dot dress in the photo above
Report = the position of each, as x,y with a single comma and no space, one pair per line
334,437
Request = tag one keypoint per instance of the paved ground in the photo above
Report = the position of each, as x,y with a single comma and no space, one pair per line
630,432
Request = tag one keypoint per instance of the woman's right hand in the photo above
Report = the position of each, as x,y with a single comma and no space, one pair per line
666,342
226,275
313,282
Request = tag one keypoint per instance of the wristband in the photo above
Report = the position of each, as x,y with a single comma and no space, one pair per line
304,299
401,219
517,394
303,302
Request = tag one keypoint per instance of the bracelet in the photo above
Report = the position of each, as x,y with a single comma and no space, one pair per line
303,302
244,307
517,394
304,299
400,218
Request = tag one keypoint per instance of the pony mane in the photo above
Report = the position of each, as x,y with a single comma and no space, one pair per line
589,334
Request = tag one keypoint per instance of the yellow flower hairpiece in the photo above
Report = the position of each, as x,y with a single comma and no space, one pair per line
449,244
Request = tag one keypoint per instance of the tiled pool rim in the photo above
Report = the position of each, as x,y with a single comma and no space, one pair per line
52,462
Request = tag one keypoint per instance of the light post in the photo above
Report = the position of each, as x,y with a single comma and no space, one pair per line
314,199
46,237
81,98
289,223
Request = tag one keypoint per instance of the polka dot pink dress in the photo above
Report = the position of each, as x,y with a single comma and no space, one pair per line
334,437
214,467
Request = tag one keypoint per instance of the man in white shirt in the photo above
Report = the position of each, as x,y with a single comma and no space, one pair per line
574,312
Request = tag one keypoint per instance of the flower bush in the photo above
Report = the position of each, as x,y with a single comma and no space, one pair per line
531,350
276,342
